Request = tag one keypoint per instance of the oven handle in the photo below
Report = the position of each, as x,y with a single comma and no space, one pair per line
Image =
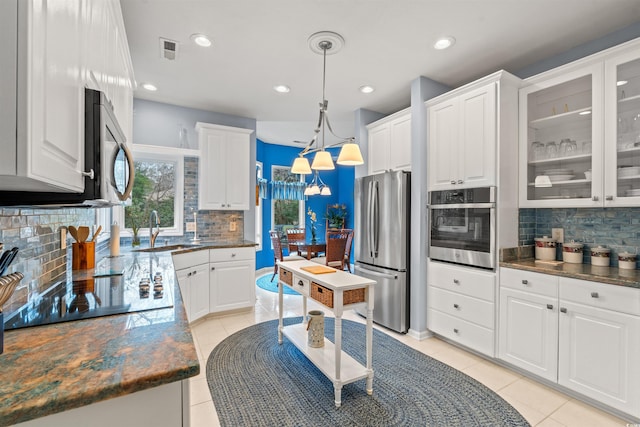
464,206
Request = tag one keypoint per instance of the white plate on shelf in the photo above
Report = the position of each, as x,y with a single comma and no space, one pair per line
627,171
556,178
632,193
551,172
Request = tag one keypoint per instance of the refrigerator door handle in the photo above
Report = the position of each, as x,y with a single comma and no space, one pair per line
370,218
376,219
375,273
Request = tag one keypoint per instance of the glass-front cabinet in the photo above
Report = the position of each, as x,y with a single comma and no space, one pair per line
579,132
561,140
622,130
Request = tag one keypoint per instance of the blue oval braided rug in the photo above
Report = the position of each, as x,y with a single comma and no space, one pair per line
254,381
267,284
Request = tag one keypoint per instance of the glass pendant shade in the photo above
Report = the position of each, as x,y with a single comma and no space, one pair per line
307,191
322,161
326,191
315,189
350,155
301,166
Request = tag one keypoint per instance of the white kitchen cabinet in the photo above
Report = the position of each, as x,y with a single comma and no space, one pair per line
468,128
581,106
231,279
390,143
599,342
51,46
44,149
583,335
224,170
528,327
461,305
192,271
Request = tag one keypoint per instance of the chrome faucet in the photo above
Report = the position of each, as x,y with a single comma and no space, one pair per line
153,235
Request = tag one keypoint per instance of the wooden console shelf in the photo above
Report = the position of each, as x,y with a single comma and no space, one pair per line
337,365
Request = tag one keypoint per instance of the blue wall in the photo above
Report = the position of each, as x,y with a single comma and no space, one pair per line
340,181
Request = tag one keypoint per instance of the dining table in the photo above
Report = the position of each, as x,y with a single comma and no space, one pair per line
311,248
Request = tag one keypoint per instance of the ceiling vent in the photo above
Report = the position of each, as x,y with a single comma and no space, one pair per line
168,49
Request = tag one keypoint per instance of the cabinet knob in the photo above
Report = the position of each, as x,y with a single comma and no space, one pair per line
456,281
594,295
189,274
525,282
563,310
608,198
456,306
213,268
195,272
595,198
550,306
233,255
460,181
90,174
455,330
453,181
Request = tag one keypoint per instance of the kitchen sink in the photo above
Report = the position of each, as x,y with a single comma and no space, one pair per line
169,247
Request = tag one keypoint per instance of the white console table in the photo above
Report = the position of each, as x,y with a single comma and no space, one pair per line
337,365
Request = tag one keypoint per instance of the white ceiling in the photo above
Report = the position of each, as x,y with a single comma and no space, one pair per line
388,44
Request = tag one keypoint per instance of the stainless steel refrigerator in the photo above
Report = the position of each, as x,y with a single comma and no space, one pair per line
382,211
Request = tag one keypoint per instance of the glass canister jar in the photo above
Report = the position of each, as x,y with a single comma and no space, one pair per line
600,256
572,252
627,260
545,248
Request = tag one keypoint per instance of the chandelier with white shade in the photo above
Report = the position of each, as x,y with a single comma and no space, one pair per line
325,42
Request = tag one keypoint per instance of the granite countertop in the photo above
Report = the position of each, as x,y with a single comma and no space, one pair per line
53,368
609,275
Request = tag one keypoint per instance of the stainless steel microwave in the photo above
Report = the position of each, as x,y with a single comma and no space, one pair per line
108,162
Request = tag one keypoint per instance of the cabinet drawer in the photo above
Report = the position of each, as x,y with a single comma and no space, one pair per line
463,332
478,284
189,259
528,281
468,308
231,254
601,295
301,285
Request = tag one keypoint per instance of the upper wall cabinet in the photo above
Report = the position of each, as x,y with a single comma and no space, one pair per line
579,127
464,127
42,91
390,143
224,169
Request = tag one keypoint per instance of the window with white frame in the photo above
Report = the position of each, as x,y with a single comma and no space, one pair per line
158,185
286,212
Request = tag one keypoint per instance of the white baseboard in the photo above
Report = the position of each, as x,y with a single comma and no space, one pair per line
419,335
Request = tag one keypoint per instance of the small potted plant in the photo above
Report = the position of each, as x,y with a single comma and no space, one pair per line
336,215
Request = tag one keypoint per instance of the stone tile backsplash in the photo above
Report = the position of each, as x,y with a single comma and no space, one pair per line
616,228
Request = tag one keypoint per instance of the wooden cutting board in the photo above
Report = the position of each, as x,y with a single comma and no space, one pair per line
320,269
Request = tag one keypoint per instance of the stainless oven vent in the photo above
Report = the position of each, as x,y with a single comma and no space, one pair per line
168,49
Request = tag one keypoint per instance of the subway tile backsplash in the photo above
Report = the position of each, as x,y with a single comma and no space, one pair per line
616,228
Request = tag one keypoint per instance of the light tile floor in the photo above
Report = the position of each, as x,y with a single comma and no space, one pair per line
540,405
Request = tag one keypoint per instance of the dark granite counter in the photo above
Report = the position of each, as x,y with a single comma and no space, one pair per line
610,275
53,368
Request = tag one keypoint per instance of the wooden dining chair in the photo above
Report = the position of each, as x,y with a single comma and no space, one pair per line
295,235
277,252
336,246
347,250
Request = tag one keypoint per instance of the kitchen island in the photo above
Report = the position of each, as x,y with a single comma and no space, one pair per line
125,369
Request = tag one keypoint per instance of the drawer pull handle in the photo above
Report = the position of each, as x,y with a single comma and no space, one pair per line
189,274
232,255
594,295
608,198
525,282
595,198
213,268
550,306
456,306
456,281
453,181
194,272
563,310
455,330
460,181
300,283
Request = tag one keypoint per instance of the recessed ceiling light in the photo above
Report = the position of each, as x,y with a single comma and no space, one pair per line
444,42
621,82
367,89
150,87
201,40
282,88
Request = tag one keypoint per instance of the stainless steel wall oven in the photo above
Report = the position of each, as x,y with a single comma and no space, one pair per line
462,226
